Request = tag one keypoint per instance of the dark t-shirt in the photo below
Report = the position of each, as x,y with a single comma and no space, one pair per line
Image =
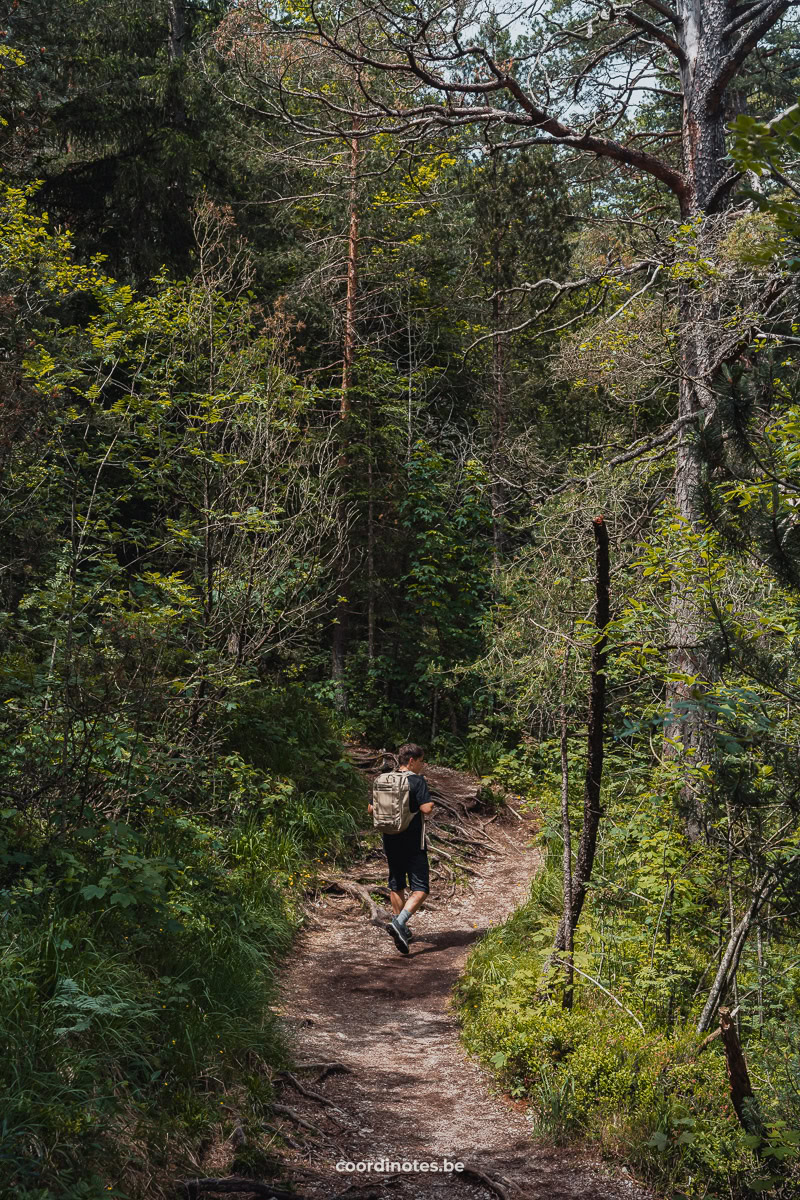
409,839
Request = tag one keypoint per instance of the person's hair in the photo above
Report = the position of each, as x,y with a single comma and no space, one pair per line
409,751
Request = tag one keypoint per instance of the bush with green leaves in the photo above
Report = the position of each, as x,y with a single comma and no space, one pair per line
624,1065
168,788
140,955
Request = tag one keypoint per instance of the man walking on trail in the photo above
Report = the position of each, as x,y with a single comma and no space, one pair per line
401,801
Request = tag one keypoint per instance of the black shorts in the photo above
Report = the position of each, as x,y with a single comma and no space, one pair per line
407,863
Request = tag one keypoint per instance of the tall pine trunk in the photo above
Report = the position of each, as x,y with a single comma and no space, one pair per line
340,627
566,865
176,50
498,381
703,44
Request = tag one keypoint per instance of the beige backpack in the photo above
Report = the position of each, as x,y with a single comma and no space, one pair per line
391,802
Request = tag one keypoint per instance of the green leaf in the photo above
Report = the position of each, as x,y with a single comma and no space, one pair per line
92,891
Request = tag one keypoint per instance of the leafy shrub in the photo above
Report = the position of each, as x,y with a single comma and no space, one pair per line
139,955
644,1094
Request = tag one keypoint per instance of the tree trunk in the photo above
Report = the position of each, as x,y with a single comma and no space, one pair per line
498,405
340,626
703,43
760,991
742,1094
566,866
730,959
686,656
176,51
592,809
177,29
370,541
349,339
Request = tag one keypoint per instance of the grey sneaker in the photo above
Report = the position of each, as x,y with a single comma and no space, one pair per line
398,935
409,934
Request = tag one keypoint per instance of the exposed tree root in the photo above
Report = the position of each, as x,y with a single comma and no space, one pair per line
195,1187
352,1187
326,1068
470,846
459,809
461,866
499,1187
483,843
283,1110
359,892
320,1099
284,1136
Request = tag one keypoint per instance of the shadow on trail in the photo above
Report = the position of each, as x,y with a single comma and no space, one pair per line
447,939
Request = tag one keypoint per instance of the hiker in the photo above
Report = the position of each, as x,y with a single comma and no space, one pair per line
400,802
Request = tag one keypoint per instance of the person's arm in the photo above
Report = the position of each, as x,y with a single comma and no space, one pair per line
424,799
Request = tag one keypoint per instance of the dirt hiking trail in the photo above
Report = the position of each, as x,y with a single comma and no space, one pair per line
405,1088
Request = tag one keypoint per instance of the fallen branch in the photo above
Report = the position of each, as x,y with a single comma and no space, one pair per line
598,984
726,971
712,1036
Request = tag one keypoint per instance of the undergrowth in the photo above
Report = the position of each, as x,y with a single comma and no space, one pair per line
627,1070
140,948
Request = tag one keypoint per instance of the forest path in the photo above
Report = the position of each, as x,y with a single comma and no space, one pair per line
411,1091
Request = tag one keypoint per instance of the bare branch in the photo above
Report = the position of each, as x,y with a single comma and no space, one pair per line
659,34
665,11
644,446
747,43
